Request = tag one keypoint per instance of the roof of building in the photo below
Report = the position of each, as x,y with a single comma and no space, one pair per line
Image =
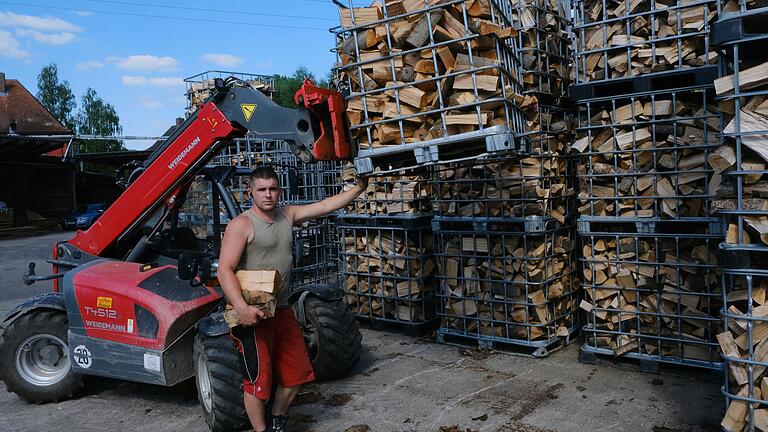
21,114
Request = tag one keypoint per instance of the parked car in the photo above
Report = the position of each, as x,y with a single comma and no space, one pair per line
84,216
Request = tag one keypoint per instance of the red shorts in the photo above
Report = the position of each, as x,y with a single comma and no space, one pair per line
275,345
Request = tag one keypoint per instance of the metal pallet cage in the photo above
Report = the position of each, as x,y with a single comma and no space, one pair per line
314,261
544,45
646,156
542,184
388,271
419,96
200,86
628,38
396,195
506,285
301,183
744,340
726,7
652,296
740,162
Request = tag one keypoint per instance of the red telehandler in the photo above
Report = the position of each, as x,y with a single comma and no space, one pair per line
135,296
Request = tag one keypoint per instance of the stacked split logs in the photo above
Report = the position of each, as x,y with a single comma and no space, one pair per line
394,195
506,284
646,156
419,73
651,295
635,37
199,90
388,272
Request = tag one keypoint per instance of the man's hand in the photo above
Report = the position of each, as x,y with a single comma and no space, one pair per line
248,315
362,183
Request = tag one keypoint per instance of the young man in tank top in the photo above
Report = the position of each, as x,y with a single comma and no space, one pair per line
261,239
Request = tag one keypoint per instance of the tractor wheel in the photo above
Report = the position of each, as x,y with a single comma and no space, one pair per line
333,338
34,358
219,382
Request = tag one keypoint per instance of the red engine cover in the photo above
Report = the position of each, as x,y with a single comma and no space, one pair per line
150,309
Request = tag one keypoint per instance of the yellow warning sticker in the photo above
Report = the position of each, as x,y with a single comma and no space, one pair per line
248,110
104,302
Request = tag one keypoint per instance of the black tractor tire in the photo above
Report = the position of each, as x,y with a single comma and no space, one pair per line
219,373
333,338
34,358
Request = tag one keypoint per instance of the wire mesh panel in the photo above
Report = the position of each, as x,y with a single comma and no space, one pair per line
504,285
646,156
744,341
396,195
544,45
388,271
200,86
428,81
652,296
628,38
301,183
314,262
741,6
503,187
741,177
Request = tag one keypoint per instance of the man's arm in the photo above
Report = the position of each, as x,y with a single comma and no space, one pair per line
303,213
232,247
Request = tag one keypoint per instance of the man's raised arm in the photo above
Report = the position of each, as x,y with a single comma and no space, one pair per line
307,212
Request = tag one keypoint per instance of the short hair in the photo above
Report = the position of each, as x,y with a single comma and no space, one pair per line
264,173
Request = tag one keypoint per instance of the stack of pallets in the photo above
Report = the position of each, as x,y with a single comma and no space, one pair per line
741,185
647,125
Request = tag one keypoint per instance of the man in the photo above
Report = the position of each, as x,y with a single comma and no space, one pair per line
261,239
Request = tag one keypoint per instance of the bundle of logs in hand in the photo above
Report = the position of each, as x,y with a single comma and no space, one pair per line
528,297
753,116
388,273
645,37
392,195
735,344
659,301
423,74
646,156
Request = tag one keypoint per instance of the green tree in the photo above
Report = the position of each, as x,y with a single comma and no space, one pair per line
56,96
97,117
287,86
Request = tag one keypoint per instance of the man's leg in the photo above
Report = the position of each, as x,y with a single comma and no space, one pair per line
255,409
284,397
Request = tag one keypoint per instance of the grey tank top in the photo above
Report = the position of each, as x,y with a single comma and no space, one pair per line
271,249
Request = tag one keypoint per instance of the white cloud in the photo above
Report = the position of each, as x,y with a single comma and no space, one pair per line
83,13
140,81
146,62
48,23
149,102
223,60
62,38
266,64
89,65
9,46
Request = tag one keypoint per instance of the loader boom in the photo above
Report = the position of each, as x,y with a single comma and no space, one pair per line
315,130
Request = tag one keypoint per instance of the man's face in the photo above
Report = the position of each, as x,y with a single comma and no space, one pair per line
266,193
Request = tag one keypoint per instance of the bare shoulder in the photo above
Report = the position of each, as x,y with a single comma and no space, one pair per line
240,226
289,212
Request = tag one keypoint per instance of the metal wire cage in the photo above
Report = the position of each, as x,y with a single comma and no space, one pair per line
652,296
504,285
200,86
743,341
647,156
301,183
314,261
388,272
544,45
396,195
725,7
542,184
741,176
628,38
428,95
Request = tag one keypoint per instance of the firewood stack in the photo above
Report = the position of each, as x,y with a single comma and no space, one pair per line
634,37
647,129
420,72
397,195
200,87
741,184
652,296
387,271
506,286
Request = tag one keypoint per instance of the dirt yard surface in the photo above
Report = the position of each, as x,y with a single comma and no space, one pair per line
401,384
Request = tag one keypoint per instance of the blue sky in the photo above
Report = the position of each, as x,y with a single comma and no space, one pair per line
136,53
